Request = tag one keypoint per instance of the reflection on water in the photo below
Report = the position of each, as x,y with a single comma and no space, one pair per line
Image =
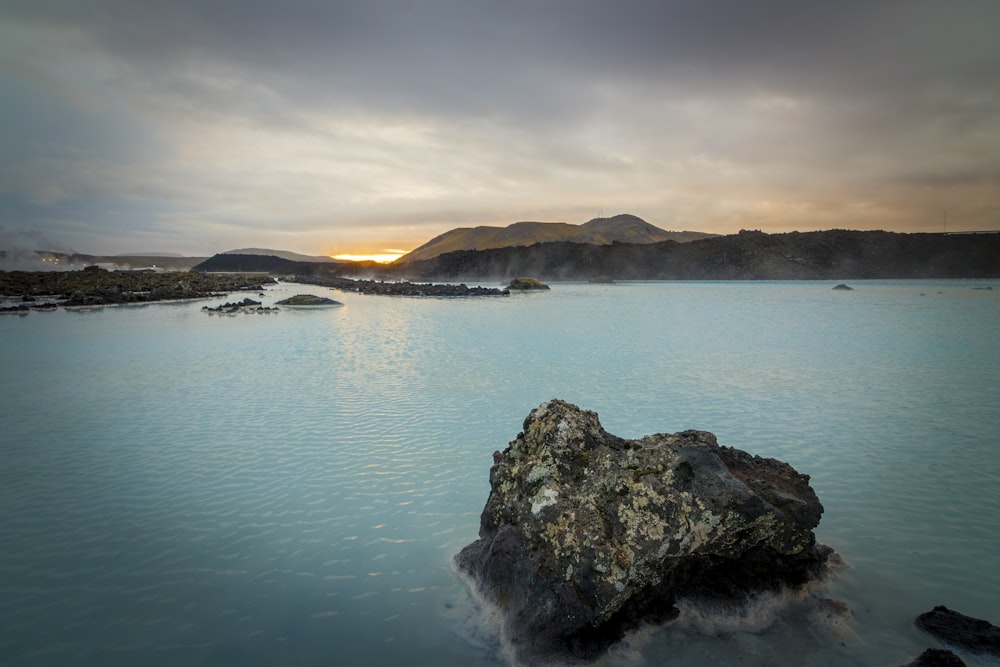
290,489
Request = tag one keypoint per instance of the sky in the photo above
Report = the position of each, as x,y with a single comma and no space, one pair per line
332,127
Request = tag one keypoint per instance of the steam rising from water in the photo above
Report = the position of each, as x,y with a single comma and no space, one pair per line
19,250
815,621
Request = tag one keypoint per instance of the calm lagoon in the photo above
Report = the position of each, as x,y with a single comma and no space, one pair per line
184,488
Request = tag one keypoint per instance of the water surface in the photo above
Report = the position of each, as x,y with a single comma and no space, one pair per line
290,488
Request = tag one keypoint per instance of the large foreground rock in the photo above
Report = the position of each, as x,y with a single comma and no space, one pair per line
586,535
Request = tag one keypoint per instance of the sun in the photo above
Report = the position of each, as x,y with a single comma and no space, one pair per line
384,257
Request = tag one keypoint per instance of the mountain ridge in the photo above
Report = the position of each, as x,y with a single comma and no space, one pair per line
283,254
836,254
622,228
749,255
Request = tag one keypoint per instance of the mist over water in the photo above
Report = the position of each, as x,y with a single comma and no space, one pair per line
18,250
291,488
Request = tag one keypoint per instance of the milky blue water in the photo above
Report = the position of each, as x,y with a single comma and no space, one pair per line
289,489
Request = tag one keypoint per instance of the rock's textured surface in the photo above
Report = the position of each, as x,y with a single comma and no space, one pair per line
585,535
965,632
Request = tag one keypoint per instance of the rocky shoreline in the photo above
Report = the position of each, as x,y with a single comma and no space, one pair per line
403,288
94,286
27,291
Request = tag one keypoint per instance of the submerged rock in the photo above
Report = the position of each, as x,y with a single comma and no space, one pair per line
936,657
586,535
842,286
964,632
308,300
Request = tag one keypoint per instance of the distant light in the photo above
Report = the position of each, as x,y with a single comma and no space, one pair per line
382,258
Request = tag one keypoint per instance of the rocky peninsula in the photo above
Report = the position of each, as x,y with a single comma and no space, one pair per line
586,535
94,286
393,288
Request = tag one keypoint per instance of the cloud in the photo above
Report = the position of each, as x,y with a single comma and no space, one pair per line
216,123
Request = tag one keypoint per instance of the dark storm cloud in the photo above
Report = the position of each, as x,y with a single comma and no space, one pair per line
710,113
485,57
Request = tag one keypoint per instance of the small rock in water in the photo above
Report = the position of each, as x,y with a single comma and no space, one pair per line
247,305
308,300
524,284
936,657
964,632
844,287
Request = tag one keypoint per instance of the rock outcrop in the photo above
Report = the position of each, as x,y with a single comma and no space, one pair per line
247,305
586,535
94,286
403,288
974,635
525,284
308,300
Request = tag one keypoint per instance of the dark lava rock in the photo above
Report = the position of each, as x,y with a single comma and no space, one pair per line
842,286
247,305
936,657
524,284
403,288
964,632
308,300
586,535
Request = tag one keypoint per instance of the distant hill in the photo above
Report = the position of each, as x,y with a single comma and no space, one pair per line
599,231
283,254
66,261
749,255
272,264
149,254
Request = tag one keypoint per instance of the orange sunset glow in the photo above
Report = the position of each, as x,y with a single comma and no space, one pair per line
384,257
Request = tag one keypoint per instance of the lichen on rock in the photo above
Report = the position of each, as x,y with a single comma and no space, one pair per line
586,535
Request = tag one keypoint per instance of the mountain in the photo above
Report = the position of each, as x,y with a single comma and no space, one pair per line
49,260
249,263
749,255
149,254
599,231
283,254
